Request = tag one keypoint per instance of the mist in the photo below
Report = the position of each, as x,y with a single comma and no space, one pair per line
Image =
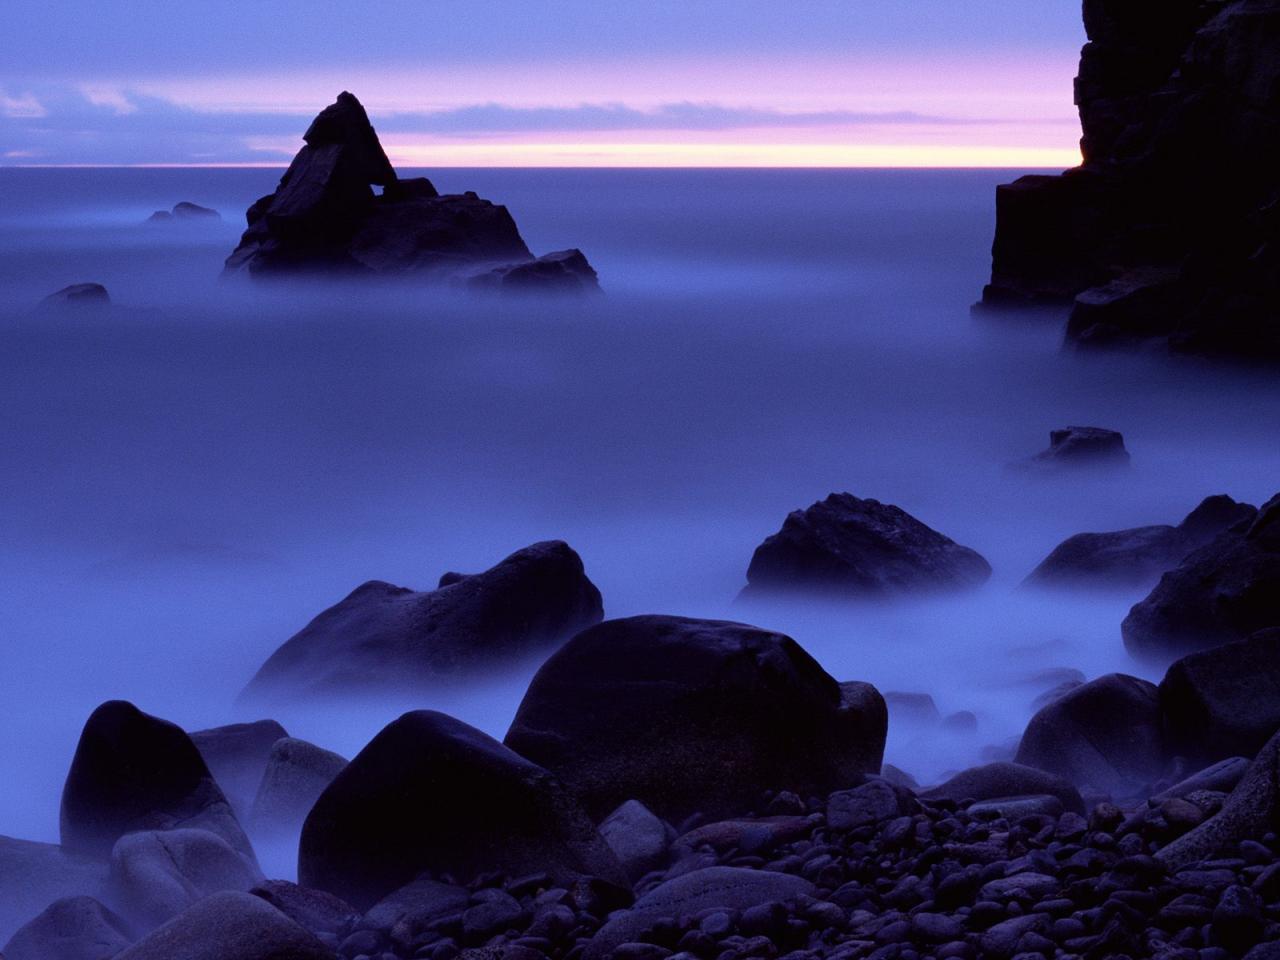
189,477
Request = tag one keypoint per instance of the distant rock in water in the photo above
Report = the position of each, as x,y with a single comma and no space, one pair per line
848,547
1080,447
1170,230
324,217
1138,555
78,295
389,637
186,211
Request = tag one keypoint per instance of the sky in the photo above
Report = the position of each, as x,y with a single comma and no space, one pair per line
552,83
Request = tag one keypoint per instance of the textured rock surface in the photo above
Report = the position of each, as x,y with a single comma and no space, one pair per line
74,928
392,637
430,793
1169,229
694,716
846,546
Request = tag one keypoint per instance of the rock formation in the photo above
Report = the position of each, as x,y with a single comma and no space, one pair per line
1170,229
324,217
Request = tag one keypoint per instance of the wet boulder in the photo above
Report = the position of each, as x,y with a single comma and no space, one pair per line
73,928
132,771
297,772
693,716
33,875
1105,734
389,637
845,546
229,926
237,754
1224,592
994,781
1139,555
430,794
1225,701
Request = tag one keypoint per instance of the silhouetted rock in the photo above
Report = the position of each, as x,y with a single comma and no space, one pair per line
1221,593
186,211
850,547
78,295
431,794
229,926
1170,228
296,774
392,637
33,875
74,928
694,716
133,771
1001,780
1141,554
1225,701
1105,734
325,218
1081,447
236,755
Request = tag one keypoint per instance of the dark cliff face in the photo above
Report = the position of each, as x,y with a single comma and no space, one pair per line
1171,227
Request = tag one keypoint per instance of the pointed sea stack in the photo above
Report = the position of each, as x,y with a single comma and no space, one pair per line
325,218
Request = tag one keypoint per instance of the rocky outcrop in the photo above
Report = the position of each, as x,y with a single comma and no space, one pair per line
384,636
848,547
1224,592
77,295
1081,447
325,217
186,211
1169,230
694,716
430,794
1138,555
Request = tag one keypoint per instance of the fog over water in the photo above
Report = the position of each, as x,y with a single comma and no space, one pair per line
187,479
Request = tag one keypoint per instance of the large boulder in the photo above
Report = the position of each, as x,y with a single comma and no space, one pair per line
297,773
1139,555
694,716
229,926
1221,593
132,771
384,636
314,910
1223,702
430,794
325,217
73,928
1105,734
849,547
995,781
33,875
237,755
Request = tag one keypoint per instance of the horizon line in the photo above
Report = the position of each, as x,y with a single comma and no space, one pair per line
539,166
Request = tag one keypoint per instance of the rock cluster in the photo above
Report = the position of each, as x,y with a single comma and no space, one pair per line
325,217
186,211
1168,230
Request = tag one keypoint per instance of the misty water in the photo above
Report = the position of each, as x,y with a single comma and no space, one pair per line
188,478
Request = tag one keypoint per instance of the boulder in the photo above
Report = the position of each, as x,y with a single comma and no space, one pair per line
415,907
313,910
911,707
78,295
637,838
229,926
873,802
1220,777
849,547
430,794
186,211
389,637
236,755
694,716
995,781
1105,734
156,874
324,217
1223,702
297,772
1082,447
1137,556
1224,592
74,928
33,875
132,771
721,888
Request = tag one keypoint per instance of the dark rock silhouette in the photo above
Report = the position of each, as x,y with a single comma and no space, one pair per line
1141,554
324,217
1223,592
384,636
430,793
186,211
78,295
1169,229
694,716
1082,447
73,928
849,547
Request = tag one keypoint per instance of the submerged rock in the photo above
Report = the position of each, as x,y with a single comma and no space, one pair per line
849,547
384,636
1081,447
694,716
431,794
74,928
187,211
324,217
78,295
